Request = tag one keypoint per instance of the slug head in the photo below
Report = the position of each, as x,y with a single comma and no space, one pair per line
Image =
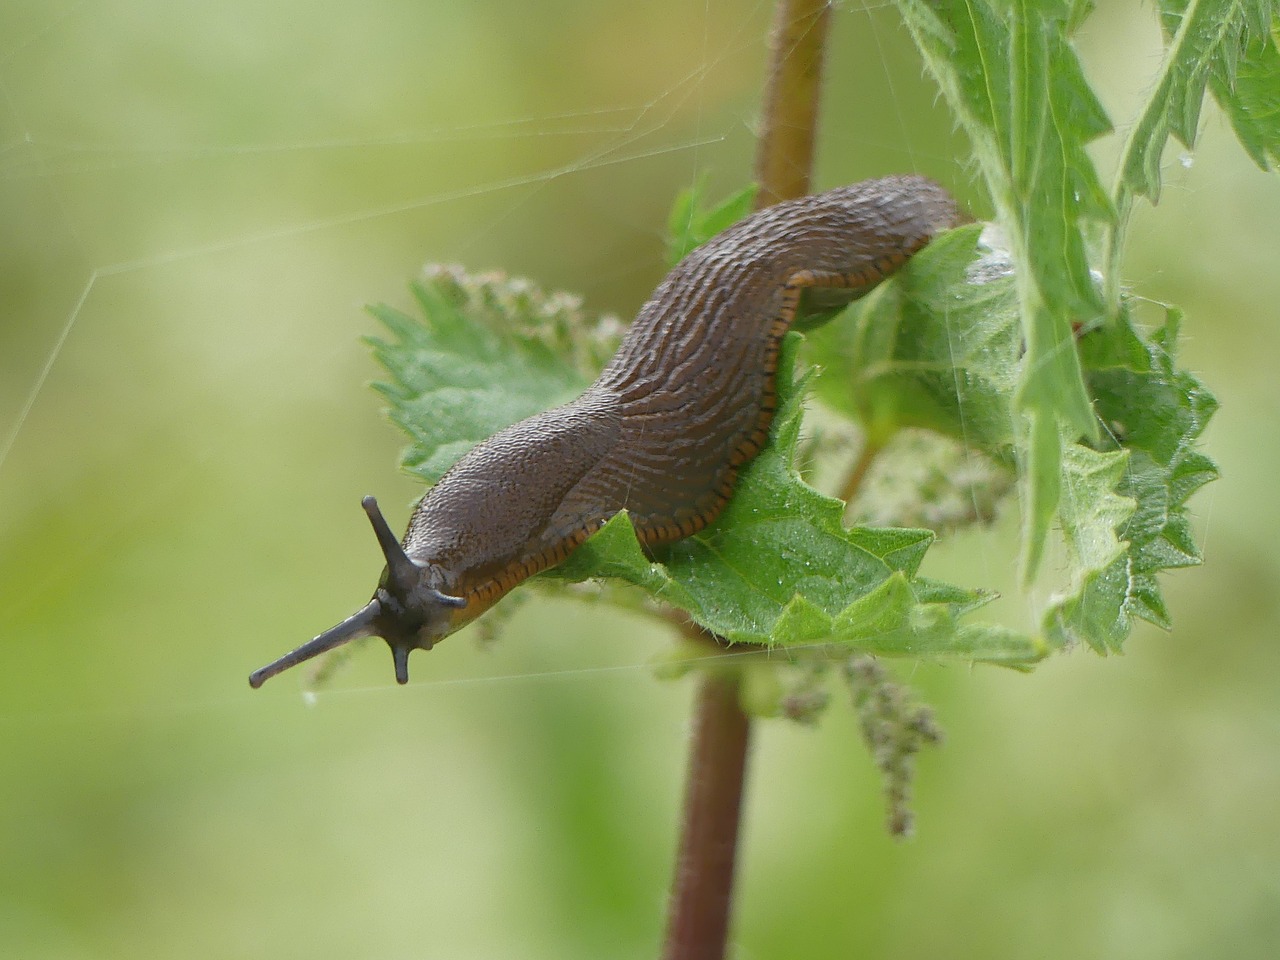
405,611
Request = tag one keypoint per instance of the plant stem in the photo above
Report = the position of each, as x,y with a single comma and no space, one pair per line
858,473
784,154
702,892
701,900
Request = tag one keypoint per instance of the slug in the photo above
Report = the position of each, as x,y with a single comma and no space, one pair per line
683,404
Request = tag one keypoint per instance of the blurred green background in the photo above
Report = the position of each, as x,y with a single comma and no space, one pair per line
200,198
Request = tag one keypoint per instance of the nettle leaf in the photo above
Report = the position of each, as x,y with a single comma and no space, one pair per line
779,568
487,352
928,365
1205,38
1124,512
1012,79
1252,97
934,347
937,347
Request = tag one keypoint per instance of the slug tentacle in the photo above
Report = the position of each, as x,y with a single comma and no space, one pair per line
406,610
683,404
359,624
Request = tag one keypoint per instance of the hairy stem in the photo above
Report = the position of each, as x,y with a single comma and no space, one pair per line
698,925
784,154
702,892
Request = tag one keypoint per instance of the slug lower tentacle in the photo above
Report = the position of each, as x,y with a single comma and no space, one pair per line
683,404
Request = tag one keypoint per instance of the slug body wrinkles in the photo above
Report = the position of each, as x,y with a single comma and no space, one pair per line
683,404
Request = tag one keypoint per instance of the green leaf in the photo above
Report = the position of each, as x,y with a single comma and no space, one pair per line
1207,40
1011,77
933,348
936,347
1205,37
693,222
1252,101
779,568
488,352
1124,512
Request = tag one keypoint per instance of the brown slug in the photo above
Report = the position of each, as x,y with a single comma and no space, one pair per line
683,404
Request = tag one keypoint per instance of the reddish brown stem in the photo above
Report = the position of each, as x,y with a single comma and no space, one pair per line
701,898
702,893
784,154
853,482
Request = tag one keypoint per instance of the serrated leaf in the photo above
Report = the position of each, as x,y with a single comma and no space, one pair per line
1137,494
779,568
889,362
1204,37
1251,98
462,372
1010,75
937,347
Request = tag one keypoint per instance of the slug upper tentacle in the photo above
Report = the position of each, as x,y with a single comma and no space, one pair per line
684,403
